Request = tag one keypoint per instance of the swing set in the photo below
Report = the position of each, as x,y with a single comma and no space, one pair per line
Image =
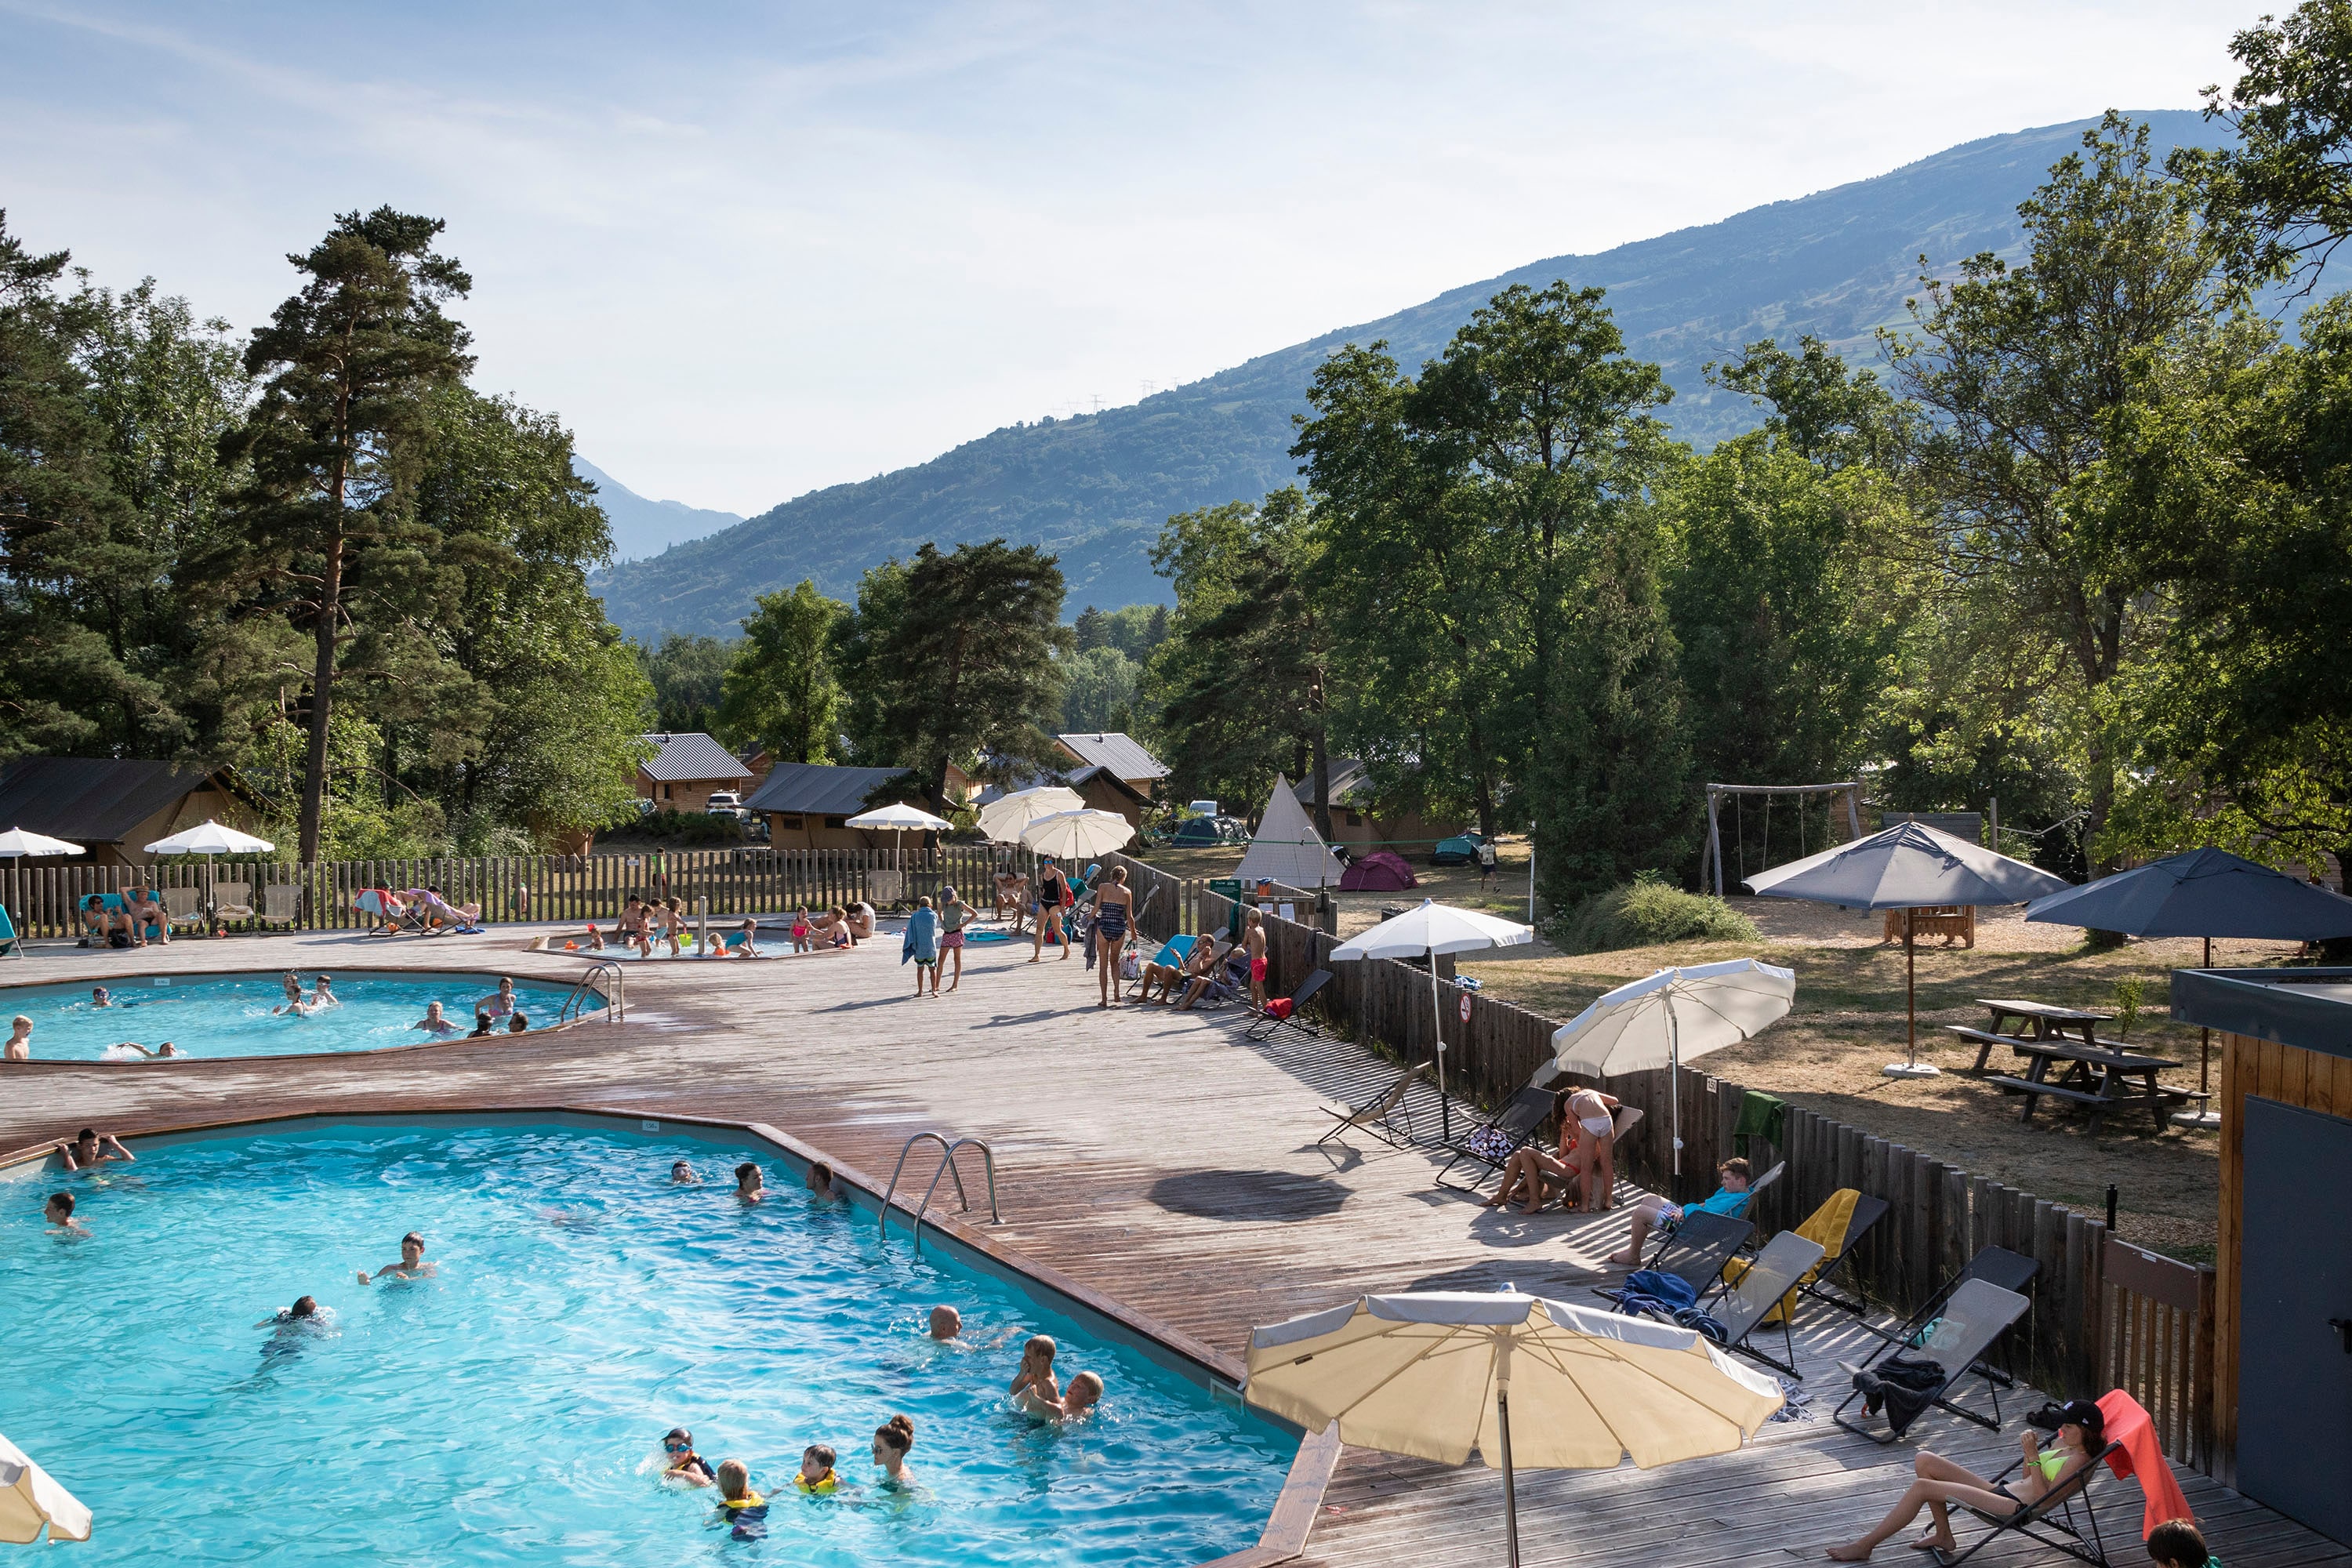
1739,793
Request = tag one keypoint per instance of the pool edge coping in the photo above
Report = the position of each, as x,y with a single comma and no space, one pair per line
1290,1517
54,1064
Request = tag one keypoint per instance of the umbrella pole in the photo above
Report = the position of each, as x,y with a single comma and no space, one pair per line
1910,1066
1510,1492
1675,1081
1437,1021
2202,1117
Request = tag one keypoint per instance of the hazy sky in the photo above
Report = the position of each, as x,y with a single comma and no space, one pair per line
746,251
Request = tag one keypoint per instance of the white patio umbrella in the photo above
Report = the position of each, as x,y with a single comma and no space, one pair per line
1907,867
900,819
30,1497
1002,819
15,843
1424,932
210,840
1435,1374
1077,835
1670,1017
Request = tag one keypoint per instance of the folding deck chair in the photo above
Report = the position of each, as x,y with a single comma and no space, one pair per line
1268,1026
1995,1265
1512,1127
183,906
2063,1517
1977,1314
1867,1212
1695,1253
281,905
1377,1116
1744,1307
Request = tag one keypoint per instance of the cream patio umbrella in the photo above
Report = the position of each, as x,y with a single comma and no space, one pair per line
1426,931
210,840
15,843
1078,835
899,819
30,1498
1002,819
1435,1374
1671,1016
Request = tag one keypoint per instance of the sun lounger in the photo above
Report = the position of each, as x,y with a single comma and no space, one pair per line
184,906
1977,1314
1994,1266
1867,1212
1267,1026
389,914
1377,1116
233,900
1697,1252
1491,1143
9,946
281,905
2064,1517
1745,1306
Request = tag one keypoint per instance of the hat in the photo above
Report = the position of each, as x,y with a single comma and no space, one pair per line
2080,1412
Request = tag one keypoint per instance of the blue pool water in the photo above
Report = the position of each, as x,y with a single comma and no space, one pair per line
230,1014
508,1410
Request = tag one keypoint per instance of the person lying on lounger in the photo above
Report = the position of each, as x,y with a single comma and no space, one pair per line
2082,1432
1730,1198
1525,1170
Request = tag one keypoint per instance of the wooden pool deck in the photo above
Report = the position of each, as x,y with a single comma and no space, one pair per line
1156,1157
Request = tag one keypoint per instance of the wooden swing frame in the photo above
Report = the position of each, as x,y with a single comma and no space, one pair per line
1712,856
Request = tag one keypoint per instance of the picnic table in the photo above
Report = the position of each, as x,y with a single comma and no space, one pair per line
2036,1022
2099,1076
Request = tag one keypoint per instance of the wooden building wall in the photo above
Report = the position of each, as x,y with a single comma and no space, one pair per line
2311,1080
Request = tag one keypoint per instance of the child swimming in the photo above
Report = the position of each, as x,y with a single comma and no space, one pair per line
741,1509
433,1023
816,1469
1034,1382
59,1212
412,1264
681,1464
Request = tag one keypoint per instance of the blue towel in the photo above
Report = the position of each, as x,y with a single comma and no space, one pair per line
1672,1288
922,939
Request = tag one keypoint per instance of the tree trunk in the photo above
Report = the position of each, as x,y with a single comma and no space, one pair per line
322,690
1322,775
1485,803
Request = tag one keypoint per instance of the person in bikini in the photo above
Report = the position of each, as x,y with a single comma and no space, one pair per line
1114,912
954,915
1940,1484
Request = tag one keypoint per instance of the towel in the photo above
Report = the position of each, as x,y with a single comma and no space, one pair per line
1827,1229
2139,1456
922,939
1761,1116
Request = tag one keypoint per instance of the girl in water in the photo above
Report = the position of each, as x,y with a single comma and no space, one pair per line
893,1440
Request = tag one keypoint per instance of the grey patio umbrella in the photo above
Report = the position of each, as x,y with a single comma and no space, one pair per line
2204,893
1906,867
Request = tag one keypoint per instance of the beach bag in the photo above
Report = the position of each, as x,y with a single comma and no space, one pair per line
1278,1009
1131,966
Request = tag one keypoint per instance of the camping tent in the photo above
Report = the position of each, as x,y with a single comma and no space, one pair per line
1288,849
1381,871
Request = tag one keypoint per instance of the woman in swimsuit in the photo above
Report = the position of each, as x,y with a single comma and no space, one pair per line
2082,1432
1114,904
953,914
1596,1152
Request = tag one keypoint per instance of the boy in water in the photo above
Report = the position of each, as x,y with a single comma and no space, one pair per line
682,1463
59,1212
946,1323
741,1507
99,997
89,1150
820,1183
681,1175
816,1470
412,1264
1085,1393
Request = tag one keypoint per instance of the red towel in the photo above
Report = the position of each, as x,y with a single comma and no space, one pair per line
2129,1425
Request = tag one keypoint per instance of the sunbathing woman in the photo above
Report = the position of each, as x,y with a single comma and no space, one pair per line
2082,1432
1525,1171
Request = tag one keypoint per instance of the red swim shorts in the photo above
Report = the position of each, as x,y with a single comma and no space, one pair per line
1258,970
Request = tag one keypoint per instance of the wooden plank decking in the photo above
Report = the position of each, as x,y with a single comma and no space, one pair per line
1154,1156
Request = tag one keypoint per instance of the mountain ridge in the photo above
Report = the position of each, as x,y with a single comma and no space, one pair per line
642,526
1837,264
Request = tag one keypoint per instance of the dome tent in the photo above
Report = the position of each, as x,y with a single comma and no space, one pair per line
1381,871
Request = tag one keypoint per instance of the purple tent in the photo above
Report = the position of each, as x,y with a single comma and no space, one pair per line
1381,871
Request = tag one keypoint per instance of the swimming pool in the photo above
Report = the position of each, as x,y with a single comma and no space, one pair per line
231,1014
506,1411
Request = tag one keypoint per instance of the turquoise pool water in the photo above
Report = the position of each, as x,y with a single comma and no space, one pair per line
231,1014
507,1410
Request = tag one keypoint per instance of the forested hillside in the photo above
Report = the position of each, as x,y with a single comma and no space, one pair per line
1096,489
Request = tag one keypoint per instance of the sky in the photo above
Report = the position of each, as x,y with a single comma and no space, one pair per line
746,251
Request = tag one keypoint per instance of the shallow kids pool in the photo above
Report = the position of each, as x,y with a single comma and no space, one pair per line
232,1014
508,1410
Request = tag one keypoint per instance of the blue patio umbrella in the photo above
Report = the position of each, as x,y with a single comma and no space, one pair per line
2205,893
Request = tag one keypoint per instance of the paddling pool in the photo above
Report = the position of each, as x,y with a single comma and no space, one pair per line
508,1409
230,1014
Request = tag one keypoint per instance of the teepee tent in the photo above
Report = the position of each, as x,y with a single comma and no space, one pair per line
1288,849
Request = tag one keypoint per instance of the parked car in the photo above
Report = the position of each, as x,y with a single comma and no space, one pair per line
1462,850
726,803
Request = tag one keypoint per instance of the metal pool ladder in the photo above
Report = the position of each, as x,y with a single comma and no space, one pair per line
602,969
947,1168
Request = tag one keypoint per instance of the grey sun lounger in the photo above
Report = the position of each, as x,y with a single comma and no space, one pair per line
1697,1252
1978,1314
1994,1266
1517,1122
1867,1212
2063,1518
1742,1308
1377,1116
1267,1026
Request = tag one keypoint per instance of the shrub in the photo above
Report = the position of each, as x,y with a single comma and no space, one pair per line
1648,913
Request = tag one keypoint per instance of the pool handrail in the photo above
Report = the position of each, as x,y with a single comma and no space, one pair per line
947,1167
615,1005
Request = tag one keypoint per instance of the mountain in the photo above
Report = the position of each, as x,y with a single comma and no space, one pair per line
1837,264
642,527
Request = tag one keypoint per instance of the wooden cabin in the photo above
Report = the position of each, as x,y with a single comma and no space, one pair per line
808,805
112,806
2282,1363
686,768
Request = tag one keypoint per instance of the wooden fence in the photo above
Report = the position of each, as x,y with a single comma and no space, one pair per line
2105,1314
43,896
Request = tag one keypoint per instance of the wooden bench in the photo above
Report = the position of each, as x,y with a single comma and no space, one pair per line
1985,1041
2098,1104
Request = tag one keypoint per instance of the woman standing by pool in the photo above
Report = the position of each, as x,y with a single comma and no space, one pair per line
1114,908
